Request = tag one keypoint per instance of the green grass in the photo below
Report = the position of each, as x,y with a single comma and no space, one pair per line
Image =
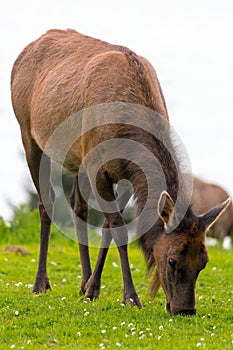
63,319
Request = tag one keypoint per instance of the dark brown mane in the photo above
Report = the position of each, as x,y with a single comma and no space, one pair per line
138,70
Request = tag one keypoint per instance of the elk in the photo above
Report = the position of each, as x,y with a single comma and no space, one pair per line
207,195
63,73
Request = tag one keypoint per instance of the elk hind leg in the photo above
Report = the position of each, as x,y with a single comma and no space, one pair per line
33,156
80,213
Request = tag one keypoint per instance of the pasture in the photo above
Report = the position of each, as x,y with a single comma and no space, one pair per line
62,319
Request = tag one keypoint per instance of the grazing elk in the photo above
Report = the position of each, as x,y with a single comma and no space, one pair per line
65,72
206,196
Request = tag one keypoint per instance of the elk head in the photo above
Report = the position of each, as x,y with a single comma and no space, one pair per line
180,254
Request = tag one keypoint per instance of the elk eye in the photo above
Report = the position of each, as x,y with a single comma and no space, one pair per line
172,262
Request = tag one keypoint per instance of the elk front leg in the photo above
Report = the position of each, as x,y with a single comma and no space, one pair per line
120,236
93,284
104,190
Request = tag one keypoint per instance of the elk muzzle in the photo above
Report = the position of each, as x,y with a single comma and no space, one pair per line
184,312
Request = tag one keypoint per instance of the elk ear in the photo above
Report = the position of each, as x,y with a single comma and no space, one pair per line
214,214
166,209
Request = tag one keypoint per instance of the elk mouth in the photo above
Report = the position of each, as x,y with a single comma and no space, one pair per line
184,312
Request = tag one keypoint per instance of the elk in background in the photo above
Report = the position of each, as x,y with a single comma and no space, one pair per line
206,196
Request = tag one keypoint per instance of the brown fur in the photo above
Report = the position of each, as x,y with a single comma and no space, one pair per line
206,196
64,72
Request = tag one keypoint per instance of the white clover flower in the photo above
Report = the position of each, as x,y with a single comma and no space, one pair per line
123,323
103,331
53,263
12,346
130,324
33,260
198,344
18,284
102,287
63,280
114,328
161,328
79,333
63,298
118,344
159,337
16,313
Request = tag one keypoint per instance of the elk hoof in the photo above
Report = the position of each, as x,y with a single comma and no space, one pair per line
82,289
41,285
133,301
84,285
92,290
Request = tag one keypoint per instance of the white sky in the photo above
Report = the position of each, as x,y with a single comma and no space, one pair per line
189,42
